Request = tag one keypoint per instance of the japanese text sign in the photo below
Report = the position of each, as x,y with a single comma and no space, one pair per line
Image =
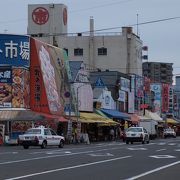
14,50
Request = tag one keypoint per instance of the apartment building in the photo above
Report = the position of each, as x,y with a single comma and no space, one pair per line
158,72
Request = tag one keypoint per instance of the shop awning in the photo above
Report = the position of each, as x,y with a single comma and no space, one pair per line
52,116
153,115
115,114
111,122
90,117
19,114
26,115
171,121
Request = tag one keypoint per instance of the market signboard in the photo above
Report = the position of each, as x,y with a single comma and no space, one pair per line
14,50
14,72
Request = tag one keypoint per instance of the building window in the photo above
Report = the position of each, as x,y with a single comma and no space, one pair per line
66,51
102,51
78,52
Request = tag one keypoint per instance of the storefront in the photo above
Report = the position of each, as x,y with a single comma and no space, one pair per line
33,81
92,124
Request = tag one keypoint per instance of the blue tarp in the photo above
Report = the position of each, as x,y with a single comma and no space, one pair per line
115,114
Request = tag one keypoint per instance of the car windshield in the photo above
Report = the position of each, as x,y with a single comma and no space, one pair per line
134,130
33,131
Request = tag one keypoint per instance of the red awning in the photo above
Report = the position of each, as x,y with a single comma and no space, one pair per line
52,116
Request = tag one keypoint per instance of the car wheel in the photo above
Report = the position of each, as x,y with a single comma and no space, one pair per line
61,144
25,146
131,142
44,144
127,142
142,141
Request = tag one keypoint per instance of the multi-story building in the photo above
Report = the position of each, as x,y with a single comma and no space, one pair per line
158,72
177,90
121,51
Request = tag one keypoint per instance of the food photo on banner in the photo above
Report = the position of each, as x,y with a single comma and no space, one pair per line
20,88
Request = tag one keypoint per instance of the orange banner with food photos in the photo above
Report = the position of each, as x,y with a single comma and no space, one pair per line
48,62
38,98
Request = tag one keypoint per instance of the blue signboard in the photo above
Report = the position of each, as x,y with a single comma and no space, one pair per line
14,50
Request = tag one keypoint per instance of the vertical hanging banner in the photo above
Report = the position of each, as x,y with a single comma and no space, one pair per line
38,100
156,88
48,68
164,97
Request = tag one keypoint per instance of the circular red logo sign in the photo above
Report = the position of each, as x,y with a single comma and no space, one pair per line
40,15
65,16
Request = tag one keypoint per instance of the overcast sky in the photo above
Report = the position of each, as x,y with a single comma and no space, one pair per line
162,38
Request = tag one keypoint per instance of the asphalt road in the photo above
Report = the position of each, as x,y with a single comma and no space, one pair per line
99,161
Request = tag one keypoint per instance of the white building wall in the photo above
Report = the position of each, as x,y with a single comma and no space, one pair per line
123,49
116,58
47,19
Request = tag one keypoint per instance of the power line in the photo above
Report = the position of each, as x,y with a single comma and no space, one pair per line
143,23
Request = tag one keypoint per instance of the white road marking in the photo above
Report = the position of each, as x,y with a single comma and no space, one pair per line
43,157
67,168
101,154
67,152
177,149
162,143
135,149
57,155
172,144
162,156
152,171
58,152
160,150
8,153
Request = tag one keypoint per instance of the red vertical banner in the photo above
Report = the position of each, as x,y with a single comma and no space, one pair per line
164,97
38,99
49,80
175,104
146,84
